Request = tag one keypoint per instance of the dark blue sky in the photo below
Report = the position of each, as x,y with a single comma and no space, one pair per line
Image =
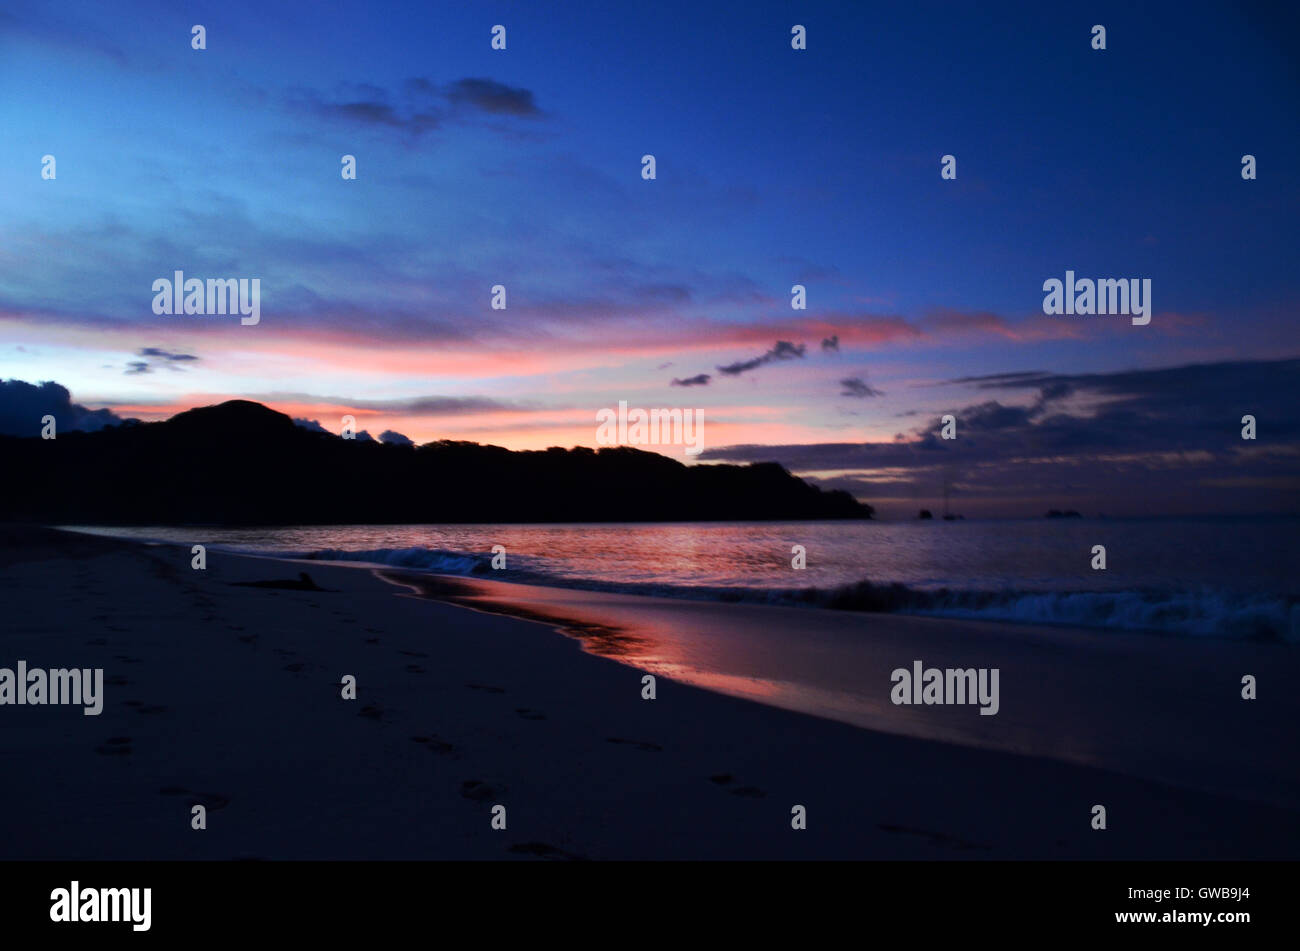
522,167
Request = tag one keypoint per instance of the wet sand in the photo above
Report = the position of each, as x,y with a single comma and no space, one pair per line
228,695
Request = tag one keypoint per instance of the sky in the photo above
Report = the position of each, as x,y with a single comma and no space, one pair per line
522,167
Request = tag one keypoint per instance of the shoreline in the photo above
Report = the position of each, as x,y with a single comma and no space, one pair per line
1190,608
222,688
769,654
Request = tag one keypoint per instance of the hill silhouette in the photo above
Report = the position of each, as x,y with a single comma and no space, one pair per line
241,463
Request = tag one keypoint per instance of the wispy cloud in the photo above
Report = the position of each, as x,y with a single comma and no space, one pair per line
700,379
784,350
166,355
856,387
418,105
489,95
1175,409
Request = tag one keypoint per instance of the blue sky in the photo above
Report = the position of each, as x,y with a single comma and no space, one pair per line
522,167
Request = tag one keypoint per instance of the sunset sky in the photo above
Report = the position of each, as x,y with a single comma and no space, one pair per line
775,167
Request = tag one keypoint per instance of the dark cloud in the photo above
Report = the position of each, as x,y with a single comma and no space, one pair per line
735,369
1181,399
1141,442
418,105
991,416
159,356
1056,390
701,379
23,404
994,379
784,350
856,387
377,113
165,354
831,344
492,96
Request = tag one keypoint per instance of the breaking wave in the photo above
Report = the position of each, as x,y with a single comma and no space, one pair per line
1198,612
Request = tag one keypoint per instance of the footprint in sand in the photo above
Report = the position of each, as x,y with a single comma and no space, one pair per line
528,714
642,745
746,792
115,746
371,711
476,789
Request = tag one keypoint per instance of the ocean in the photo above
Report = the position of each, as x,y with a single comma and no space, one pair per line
1217,577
